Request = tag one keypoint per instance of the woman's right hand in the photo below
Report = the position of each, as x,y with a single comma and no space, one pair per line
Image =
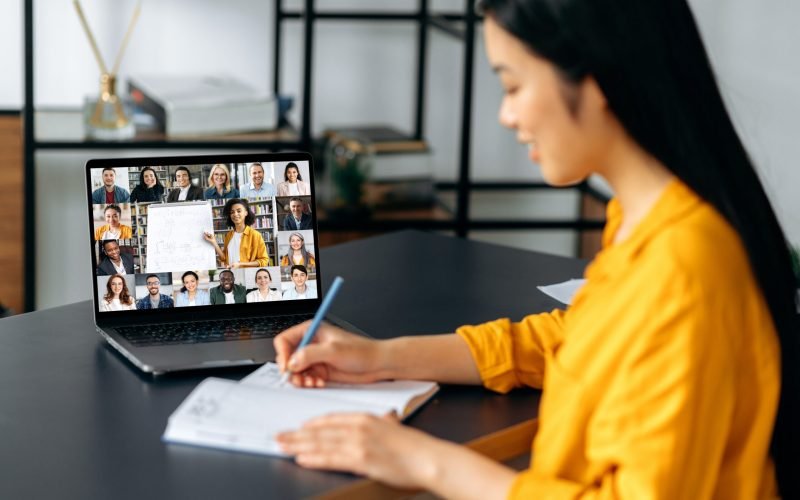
335,355
209,237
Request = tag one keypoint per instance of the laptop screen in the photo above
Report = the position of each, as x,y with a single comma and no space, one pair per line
210,232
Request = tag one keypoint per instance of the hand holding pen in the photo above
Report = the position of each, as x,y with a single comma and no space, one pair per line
331,354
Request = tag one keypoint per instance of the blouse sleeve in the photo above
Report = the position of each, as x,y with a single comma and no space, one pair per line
510,355
258,251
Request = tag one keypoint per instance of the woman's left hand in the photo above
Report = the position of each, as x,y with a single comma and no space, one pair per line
377,447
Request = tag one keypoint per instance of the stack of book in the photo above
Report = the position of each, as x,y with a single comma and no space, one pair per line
184,105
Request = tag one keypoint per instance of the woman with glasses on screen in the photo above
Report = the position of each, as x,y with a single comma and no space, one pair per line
117,297
219,184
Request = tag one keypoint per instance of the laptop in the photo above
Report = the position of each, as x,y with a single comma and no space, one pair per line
199,261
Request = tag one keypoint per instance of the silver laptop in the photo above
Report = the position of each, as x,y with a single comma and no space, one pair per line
199,261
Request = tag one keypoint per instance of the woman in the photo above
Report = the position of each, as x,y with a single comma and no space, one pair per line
297,253
149,187
292,184
189,294
117,297
674,373
219,184
112,229
243,246
264,292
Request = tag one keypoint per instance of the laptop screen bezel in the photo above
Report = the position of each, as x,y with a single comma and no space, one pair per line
220,311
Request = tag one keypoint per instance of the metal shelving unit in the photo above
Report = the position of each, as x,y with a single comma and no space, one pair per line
460,25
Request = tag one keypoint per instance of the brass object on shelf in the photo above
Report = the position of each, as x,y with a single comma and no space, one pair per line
107,118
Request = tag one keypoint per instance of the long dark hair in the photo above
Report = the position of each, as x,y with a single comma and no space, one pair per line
144,193
650,62
189,273
293,165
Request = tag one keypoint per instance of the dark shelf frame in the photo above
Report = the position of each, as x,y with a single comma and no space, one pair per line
460,25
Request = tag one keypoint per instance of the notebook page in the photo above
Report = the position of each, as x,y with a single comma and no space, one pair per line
223,414
395,394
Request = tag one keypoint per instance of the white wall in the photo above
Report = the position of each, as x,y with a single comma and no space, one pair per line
365,73
753,47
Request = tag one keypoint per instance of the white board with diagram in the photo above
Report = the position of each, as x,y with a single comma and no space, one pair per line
175,237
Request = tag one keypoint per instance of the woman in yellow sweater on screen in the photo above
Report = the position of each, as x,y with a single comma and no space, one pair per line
242,246
674,373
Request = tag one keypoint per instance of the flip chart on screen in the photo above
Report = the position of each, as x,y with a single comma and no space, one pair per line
175,237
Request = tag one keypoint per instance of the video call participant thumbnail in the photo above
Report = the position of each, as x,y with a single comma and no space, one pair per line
257,188
228,292
300,290
185,190
110,193
242,246
293,184
298,255
219,184
263,293
296,219
117,297
190,294
155,299
112,229
149,187
114,261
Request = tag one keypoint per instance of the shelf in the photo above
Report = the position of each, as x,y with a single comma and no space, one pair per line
63,129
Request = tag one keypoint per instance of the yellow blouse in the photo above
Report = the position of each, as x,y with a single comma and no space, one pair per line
661,380
251,248
125,231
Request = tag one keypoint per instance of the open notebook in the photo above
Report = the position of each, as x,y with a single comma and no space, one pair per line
246,415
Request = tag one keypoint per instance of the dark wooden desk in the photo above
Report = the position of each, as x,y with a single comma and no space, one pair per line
77,421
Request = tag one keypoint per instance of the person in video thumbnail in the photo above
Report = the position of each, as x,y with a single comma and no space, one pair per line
184,191
155,299
149,187
110,193
264,292
293,184
297,219
257,188
190,295
228,292
300,290
219,184
298,253
112,230
242,246
115,262
117,297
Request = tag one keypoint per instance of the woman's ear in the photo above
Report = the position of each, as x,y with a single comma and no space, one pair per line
592,95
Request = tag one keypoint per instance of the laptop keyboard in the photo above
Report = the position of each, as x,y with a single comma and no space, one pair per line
194,332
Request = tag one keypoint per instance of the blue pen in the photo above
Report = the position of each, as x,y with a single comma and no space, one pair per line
318,317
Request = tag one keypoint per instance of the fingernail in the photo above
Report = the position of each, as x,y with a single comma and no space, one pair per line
292,363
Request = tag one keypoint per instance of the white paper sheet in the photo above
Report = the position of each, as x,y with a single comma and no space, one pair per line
563,292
